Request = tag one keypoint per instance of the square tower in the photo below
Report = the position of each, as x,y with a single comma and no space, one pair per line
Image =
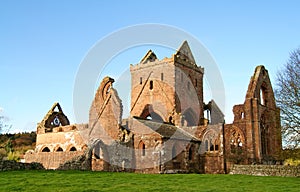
168,90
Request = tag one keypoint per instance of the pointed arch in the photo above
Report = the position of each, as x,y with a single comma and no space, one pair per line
237,139
73,149
45,149
260,87
59,149
211,139
150,114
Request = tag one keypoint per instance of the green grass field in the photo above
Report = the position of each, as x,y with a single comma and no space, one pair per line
101,181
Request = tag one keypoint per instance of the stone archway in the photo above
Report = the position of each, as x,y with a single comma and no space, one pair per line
149,113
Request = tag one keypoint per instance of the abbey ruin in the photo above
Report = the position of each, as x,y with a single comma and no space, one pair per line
167,131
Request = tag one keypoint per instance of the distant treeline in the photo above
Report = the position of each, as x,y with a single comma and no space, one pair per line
18,139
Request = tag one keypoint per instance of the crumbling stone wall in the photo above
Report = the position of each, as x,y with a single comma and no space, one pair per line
79,162
51,160
6,165
266,170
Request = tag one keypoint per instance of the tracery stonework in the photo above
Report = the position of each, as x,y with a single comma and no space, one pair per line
166,131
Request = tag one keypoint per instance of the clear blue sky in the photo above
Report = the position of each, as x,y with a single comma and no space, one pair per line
43,42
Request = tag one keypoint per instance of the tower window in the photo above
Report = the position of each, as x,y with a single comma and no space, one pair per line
141,80
162,76
151,85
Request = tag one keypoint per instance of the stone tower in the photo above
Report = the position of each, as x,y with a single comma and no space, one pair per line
168,90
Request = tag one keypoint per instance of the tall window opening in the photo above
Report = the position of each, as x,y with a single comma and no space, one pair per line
206,145
162,76
151,85
263,96
263,135
142,148
174,152
190,153
141,80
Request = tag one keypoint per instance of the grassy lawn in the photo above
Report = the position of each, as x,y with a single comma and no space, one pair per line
101,181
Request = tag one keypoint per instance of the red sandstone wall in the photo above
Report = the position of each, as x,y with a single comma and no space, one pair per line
51,160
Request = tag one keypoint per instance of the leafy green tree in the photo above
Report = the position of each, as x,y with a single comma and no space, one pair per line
288,99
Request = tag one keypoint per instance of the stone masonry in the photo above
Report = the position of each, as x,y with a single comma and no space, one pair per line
166,131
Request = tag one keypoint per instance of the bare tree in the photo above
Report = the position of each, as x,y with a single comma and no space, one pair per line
288,99
4,127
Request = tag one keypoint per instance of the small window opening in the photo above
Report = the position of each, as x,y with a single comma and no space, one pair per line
206,145
211,148
108,89
170,119
141,80
59,149
190,153
143,150
162,76
46,149
73,149
216,147
151,85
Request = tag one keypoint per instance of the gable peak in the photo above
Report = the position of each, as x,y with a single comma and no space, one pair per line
185,51
149,57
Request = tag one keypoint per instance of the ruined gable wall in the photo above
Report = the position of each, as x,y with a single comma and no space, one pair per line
259,119
105,113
